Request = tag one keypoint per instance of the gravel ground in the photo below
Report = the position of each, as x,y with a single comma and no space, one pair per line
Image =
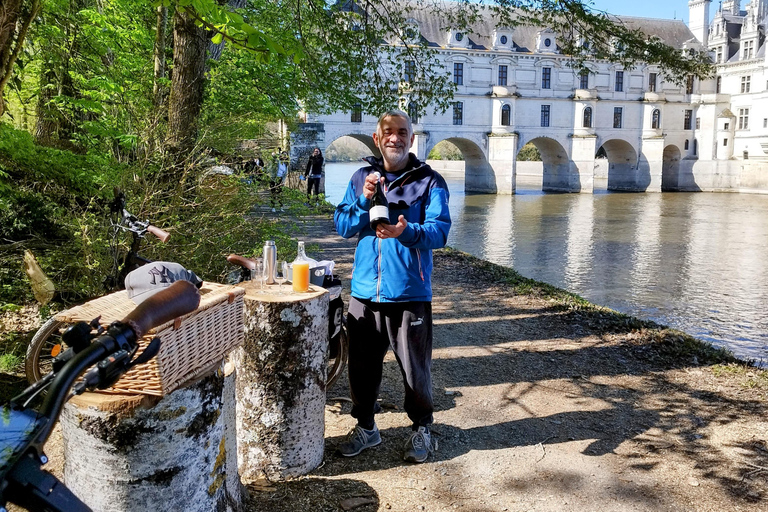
543,408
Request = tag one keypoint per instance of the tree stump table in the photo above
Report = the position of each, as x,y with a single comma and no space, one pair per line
126,453
280,384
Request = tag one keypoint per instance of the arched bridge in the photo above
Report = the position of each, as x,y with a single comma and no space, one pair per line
571,162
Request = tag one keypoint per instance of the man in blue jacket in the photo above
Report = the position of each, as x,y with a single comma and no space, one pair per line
391,283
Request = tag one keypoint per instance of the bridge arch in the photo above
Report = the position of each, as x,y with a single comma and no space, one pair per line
367,140
479,176
622,165
670,168
557,170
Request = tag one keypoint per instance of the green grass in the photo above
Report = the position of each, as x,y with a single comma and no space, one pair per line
10,363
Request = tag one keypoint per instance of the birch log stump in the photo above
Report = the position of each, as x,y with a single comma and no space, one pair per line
130,453
281,370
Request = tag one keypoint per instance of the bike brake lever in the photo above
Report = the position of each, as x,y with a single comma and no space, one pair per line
151,351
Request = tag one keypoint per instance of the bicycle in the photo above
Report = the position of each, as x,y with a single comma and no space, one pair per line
101,358
47,342
338,339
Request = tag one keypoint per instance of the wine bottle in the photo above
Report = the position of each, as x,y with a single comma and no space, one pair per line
379,212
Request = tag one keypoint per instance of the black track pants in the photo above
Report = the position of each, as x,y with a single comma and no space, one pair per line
407,328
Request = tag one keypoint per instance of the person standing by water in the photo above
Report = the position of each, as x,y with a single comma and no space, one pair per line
280,166
314,173
391,294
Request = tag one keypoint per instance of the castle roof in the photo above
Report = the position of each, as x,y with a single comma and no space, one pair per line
436,32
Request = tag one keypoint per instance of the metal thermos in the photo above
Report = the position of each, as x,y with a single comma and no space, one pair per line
270,261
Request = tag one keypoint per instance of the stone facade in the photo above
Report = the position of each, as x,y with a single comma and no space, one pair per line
514,88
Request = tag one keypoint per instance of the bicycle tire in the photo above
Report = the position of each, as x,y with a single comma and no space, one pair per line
38,361
337,364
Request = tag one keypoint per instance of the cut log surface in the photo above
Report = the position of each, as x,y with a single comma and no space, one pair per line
281,370
141,453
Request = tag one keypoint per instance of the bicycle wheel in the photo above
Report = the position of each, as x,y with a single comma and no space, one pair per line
45,344
337,363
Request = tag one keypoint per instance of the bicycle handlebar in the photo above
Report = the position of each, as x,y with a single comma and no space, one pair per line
248,263
162,234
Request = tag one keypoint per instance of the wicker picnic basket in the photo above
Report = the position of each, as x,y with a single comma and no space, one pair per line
189,347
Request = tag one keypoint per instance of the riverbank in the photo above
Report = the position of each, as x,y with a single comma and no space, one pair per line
546,403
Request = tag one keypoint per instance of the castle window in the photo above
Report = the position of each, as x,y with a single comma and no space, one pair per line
619,85
546,78
503,39
413,111
617,114
719,57
545,109
698,123
719,83
687,120
409,75
749,46
502,74
656,119
651,82
689,85
458,73
746,83
584,80
505,115
587,120
743,119
458,113
357,114
685,146
547,42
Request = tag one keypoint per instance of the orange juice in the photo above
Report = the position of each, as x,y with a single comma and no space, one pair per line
300,276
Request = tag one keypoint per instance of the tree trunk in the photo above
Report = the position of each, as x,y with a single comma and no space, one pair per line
162,24
132,452
280,383
47,123
190,43
14,24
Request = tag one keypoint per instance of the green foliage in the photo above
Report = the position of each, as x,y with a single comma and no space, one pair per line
529,153
445,150
10,362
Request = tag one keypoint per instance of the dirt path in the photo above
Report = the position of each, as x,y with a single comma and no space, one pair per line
543,408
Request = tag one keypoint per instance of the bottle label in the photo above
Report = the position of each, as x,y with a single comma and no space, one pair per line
379,213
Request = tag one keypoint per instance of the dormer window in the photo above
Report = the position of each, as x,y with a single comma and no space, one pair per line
411,31
546,41
458,39
502,38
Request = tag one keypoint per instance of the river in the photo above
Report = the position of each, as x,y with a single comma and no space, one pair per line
694,261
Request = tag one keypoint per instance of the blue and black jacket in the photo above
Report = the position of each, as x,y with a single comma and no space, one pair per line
396,270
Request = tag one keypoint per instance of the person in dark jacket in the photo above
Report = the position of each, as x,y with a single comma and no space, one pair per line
313,173
391,283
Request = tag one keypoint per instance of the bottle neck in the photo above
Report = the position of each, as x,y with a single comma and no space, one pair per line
301,255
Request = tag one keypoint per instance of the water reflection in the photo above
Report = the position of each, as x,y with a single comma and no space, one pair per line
692,261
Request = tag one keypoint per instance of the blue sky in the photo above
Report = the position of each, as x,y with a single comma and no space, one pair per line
667,9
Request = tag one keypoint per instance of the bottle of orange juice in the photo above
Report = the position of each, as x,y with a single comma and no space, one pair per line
301,270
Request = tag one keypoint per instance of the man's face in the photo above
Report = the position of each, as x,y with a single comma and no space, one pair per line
394,139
